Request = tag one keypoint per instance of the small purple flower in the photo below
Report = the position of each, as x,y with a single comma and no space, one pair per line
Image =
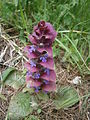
44,58
46,82
32,49
33,64
37,89
37,75
47,71
29,73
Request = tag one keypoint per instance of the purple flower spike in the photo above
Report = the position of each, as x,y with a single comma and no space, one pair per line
41,74
32,63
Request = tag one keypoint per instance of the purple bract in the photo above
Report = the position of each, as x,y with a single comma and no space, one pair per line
41,74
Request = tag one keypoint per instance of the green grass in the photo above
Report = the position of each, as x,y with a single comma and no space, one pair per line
70,18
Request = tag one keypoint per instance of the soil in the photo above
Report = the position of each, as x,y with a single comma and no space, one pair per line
65,73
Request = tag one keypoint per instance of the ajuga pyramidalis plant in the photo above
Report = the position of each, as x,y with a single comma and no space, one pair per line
40,66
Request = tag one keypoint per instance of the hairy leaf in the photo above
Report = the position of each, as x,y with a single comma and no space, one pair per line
66,97
19,106
13,78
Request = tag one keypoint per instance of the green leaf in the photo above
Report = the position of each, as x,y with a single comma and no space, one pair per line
13,78
39,111
19,106
66,97
6,73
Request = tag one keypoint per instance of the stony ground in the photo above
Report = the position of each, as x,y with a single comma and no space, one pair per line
65,74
